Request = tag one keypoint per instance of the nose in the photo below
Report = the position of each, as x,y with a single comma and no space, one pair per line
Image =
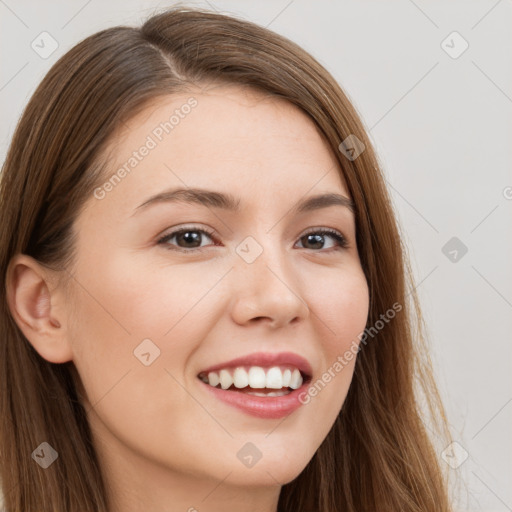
267,290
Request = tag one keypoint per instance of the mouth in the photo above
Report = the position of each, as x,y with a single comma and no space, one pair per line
263,385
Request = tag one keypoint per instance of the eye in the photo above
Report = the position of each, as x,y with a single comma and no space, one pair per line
316,238
189,239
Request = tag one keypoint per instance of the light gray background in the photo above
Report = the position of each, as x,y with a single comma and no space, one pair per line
442,127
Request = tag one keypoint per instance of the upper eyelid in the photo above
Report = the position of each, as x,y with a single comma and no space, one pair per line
175,231
213,232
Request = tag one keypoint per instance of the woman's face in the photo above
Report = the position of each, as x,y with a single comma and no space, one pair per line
150,310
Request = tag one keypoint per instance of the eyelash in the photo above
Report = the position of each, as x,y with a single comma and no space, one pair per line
340,239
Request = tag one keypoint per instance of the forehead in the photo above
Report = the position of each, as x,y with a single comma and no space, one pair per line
229,138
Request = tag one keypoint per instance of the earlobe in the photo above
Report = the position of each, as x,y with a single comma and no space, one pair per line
37,309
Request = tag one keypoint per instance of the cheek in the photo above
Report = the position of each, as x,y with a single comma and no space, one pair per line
155,298
137,298
126,310
339,312
120,312
339,304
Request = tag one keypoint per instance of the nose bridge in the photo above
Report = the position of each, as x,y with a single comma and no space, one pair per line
267,284
262,255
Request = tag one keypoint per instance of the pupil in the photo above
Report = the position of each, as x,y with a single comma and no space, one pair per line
318,239
191,236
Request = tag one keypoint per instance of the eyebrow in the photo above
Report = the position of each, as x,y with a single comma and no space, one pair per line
228,202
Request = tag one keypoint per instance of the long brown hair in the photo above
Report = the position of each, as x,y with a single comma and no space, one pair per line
377,455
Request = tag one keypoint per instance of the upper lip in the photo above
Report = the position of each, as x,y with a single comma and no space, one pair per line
266,359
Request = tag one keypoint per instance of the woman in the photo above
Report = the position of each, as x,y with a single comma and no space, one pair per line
273,368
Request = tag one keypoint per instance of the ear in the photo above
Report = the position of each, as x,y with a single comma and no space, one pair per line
37,308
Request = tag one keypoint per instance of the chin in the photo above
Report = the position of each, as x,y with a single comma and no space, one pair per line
269,470
263,476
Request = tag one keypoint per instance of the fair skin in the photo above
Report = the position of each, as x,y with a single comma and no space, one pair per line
165,443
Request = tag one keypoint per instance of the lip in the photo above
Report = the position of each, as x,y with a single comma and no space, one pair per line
273,407
266,359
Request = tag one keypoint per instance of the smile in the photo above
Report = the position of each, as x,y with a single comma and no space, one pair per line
264,385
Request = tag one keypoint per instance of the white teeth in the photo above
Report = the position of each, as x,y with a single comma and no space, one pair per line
240,378
256,378
213,379
225,379
296,379
274,378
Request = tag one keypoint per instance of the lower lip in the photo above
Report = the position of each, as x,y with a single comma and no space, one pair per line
271,407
